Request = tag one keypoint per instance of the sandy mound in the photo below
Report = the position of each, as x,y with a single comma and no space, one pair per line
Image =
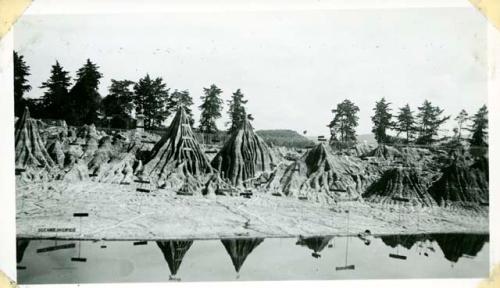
218,186
56,152
29,147
33,161
243,156
400,185
119,169
461,183
384,152
239,249
109,164
76,171
323,176
173,252
177,152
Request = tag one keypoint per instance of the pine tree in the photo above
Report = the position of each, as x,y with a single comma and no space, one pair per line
461,119
406,123
237,112
119,103
382,120
344,123
151,97
181,98
84,96
211,109
55,100
430,119
479,127
21,72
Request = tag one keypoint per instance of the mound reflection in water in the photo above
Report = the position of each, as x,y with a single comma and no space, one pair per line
325,257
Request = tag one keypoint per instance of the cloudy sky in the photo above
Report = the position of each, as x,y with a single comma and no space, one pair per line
292,66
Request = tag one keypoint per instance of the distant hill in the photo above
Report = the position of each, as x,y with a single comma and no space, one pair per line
285,137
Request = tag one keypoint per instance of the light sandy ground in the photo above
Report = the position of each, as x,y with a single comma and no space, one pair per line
118,212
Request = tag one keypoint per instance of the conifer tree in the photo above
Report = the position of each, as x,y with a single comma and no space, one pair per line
479,127
21,72
406,123
56,99
119,103
344,123
237,112
151,97
181,98
461,119
85,99
429,121
211,109
382,120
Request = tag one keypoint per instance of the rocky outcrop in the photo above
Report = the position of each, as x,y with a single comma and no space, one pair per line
243,156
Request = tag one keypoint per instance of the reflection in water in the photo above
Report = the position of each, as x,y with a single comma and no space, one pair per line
239,249
317,244
406,241
454,246
207,259
174,252
21,245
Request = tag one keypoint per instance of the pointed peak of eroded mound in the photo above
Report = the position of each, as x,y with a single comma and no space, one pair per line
178,146
243,156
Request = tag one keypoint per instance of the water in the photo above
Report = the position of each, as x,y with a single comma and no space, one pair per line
314,258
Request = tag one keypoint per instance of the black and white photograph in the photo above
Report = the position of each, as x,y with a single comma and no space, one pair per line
251,144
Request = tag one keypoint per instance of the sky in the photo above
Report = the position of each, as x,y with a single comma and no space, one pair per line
294,67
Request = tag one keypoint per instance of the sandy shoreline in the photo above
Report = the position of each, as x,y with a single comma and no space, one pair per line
118,212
